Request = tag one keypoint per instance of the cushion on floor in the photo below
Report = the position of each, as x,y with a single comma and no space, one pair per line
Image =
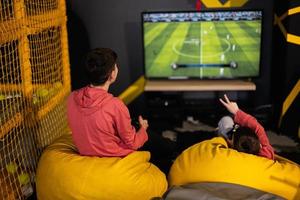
64,174
213,161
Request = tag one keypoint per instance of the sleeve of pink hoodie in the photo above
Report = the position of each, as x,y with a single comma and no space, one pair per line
126,131
249,121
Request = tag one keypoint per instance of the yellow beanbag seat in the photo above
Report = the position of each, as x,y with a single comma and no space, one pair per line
64,174
213,161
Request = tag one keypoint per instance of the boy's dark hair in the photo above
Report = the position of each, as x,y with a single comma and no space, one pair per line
99,64
245,140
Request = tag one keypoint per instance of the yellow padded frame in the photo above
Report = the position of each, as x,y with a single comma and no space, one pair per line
213,161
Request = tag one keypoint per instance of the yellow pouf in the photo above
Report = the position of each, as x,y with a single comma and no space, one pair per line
213,161
63,174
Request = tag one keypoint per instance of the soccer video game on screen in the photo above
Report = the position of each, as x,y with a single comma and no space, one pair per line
211,44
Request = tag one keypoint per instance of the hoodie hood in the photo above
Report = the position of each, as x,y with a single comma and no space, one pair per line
89,99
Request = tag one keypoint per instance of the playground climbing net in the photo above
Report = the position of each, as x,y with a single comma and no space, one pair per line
34,84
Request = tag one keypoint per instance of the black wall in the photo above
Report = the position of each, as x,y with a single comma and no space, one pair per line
116,24
286,70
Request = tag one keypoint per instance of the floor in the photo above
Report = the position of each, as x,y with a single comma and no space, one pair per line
190,130
285,146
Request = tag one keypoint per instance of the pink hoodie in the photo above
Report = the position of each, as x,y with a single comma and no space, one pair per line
247,120
101,124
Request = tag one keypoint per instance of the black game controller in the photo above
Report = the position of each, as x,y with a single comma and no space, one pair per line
135,123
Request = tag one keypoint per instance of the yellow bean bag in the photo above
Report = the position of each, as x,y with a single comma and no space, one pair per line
213,161
63,174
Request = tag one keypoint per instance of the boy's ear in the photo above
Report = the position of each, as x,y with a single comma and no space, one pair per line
113,75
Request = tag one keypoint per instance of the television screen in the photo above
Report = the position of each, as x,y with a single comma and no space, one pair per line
202,44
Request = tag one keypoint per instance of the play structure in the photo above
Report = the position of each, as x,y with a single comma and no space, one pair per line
34,82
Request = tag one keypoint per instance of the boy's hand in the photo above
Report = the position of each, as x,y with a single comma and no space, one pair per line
143,122
231,106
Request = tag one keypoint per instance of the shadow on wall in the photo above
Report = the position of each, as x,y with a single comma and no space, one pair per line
134,51
78,48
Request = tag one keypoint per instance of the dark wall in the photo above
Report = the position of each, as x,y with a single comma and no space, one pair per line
78,47
116,24
286,70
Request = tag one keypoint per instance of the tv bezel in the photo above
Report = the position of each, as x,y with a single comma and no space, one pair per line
206,77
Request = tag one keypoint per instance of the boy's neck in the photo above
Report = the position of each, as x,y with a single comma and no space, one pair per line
105,86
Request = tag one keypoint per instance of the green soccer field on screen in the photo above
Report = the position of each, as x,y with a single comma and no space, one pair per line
202,49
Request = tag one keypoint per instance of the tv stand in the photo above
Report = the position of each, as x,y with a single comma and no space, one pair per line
199,85
169,102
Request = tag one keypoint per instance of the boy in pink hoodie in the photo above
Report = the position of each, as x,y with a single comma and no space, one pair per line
100,122
247,135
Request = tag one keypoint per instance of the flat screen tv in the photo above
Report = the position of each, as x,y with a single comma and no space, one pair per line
202,44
